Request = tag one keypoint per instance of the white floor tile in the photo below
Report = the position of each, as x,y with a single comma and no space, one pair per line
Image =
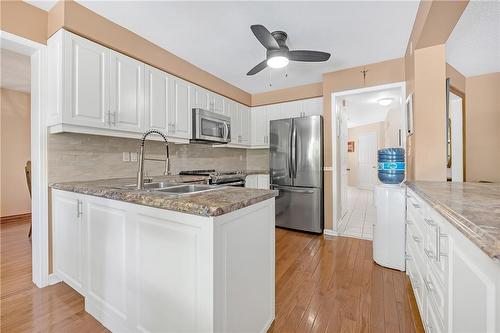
361,215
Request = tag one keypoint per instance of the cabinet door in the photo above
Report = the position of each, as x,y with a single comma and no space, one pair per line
157,99
67,247
107,259
245,124
86,87
312,107
234,113
126,93
251,181
260,127
199,98
216,103
290,109
263,182
180,111
274,112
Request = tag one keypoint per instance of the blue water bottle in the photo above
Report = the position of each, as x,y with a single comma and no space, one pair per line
391,165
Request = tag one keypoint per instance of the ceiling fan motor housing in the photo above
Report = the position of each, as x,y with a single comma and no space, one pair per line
280,37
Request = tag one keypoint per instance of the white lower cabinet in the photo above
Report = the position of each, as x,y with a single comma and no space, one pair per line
456,285
68,234
143,269
257,181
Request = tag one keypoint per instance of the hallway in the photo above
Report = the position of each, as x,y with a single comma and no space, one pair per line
360,216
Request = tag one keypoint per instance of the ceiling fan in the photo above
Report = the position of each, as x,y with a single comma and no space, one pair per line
278,55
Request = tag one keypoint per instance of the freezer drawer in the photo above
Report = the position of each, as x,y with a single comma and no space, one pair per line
299,208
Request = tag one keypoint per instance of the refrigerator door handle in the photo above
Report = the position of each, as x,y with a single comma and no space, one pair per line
293,154
290,155
292,189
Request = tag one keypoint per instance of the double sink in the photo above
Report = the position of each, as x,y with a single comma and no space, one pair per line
173,188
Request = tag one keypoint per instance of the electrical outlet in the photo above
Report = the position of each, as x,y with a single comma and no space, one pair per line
133,156
126,156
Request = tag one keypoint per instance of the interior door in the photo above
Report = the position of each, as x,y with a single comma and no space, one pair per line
126,93
343,135
367,160
280,152
307,152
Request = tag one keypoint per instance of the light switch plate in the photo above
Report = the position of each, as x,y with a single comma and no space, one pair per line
126,156
133,156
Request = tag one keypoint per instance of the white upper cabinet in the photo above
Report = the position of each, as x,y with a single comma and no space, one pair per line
260,126
290,109
234,114
199,97
126,93
180,115
245,124
157,99
85,86
312,107
216,103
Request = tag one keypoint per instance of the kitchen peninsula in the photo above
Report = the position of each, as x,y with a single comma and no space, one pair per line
155,260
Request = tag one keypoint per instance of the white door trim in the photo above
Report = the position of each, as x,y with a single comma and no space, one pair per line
39,179
336,163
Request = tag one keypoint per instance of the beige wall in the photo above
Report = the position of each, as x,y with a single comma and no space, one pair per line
390,71
15,145
74,157
288,94
430,114
353,135
22,19
482,98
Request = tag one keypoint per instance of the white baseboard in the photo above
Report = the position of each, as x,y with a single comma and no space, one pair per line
53,279
330,232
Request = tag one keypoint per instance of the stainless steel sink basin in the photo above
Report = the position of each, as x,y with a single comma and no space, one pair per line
152,186
186,189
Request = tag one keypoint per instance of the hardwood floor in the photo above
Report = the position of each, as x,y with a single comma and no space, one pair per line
322,285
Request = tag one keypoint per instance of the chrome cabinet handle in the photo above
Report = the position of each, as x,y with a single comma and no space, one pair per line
409,222
408,257
79,208
416,239
439,235
415,205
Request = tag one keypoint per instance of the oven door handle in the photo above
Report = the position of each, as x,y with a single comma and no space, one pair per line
242,182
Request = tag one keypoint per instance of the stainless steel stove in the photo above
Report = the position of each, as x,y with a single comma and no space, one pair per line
226,178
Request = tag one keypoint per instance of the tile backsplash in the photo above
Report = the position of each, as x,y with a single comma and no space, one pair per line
73,157
257,159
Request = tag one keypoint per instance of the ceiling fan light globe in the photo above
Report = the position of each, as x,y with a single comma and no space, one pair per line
277,62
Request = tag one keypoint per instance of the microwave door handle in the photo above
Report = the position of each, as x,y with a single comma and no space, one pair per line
226,131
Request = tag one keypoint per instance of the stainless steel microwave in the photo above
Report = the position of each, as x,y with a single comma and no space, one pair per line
210,127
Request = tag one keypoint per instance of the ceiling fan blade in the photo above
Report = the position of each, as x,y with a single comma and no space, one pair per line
264,37
258,68
309,56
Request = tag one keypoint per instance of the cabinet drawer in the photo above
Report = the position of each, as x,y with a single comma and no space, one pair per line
433,323
437,294
416,281
436,250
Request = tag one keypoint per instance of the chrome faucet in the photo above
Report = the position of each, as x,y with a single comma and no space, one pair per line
140,171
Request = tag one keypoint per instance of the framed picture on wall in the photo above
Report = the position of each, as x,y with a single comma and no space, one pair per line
409,115
350,146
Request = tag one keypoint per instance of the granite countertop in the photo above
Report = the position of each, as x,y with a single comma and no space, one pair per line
473,208
220,201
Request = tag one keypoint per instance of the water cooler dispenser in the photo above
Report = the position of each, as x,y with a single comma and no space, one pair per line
389,231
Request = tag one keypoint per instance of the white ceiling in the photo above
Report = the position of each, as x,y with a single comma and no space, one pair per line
473,47
216,36
15,71
363,109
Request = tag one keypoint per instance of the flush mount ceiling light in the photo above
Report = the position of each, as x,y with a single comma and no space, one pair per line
385,101
277,62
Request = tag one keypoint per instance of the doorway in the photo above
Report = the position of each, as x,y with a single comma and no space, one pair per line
364,121
455,171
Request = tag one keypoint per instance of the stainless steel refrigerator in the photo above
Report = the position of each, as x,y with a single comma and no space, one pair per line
296,170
